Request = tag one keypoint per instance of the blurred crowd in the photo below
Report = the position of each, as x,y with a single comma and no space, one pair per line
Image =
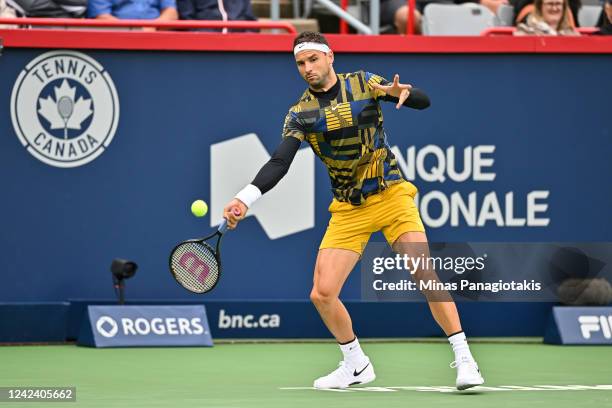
530,17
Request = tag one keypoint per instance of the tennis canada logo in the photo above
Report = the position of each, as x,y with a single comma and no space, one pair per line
64,108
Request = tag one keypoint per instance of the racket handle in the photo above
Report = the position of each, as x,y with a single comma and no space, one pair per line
223,226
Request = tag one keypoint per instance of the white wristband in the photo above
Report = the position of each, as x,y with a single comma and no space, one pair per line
249,195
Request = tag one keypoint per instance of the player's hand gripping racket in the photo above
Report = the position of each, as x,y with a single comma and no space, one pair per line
194,263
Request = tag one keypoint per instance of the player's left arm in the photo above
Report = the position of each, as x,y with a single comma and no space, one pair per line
401,94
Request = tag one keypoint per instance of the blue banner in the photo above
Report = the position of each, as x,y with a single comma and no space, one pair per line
34,322
504,154
140,326
299,319
580,325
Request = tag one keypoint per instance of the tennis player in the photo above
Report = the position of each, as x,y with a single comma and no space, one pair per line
340,117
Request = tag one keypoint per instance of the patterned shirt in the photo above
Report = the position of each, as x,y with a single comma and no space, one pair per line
347,134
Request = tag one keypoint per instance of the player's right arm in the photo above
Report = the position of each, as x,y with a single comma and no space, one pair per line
270,174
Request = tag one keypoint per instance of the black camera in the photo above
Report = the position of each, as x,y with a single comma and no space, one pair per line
122,269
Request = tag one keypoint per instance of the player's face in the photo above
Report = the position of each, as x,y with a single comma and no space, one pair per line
315,67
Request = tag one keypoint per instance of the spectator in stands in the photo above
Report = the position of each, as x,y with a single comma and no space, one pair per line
225,10
522,8
159,10
605,20
395,12
49,8
549,17
6,11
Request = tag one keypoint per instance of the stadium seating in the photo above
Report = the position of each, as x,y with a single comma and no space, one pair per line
445,19
504,16
588,15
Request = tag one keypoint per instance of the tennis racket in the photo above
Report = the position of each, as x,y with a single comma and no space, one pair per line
196,263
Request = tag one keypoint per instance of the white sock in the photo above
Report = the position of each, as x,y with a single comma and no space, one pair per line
460,346
353,354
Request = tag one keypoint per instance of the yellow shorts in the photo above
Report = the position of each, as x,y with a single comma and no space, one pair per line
393,211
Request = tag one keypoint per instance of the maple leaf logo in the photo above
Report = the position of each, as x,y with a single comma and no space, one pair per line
63,112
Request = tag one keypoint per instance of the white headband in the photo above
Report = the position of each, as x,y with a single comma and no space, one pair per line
310,46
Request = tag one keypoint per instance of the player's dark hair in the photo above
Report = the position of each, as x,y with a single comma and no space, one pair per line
310,36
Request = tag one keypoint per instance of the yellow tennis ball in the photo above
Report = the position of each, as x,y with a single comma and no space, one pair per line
199,208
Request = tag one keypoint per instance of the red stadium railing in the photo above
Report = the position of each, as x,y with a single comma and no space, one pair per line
343,24
494,41
410,28
505,31
184,24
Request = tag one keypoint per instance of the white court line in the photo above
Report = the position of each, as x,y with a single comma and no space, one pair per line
446,389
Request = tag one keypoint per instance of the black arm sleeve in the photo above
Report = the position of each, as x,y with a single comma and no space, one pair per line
275,169
417,99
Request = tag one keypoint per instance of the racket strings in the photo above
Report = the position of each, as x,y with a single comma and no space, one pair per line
195,266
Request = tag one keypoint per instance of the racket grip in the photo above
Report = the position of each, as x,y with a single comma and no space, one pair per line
223,226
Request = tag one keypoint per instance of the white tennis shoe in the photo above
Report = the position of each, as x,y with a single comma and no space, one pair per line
468,374
345,376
